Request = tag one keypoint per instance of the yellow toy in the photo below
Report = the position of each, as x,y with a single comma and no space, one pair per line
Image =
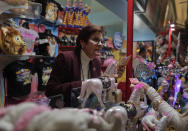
11,41
51,12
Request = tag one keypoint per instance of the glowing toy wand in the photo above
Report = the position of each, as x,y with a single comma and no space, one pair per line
177,89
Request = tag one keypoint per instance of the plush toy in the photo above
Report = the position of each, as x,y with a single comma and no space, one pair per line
151,122
32,117
9,116
176,120
117,109
11,41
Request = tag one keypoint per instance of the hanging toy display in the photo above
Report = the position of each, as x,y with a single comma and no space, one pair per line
70,18
66,13
74,16
80,14
77,16
85,20
76,23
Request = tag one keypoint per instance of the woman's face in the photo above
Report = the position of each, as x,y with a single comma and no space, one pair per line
94,45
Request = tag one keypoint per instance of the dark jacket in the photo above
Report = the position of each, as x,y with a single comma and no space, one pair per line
66,74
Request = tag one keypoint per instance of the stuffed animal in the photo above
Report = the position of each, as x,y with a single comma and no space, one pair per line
117,109
150,121
32,117
11,41
176,120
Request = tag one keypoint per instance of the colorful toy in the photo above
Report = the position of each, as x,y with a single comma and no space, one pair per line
11,41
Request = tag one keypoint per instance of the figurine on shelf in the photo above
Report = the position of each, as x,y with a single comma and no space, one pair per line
11,41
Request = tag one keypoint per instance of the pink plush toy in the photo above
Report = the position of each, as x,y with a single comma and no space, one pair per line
31,117
150,121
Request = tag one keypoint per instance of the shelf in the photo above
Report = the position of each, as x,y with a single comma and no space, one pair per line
107,48
40,20
32,11
66,48
7,59
69,30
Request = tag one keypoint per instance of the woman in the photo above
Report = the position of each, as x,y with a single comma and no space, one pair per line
72,67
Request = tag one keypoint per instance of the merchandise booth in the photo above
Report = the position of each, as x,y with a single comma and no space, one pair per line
142,44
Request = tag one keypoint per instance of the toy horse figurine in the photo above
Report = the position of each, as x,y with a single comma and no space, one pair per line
96,85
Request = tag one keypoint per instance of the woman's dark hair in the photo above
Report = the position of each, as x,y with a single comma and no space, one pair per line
86,33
